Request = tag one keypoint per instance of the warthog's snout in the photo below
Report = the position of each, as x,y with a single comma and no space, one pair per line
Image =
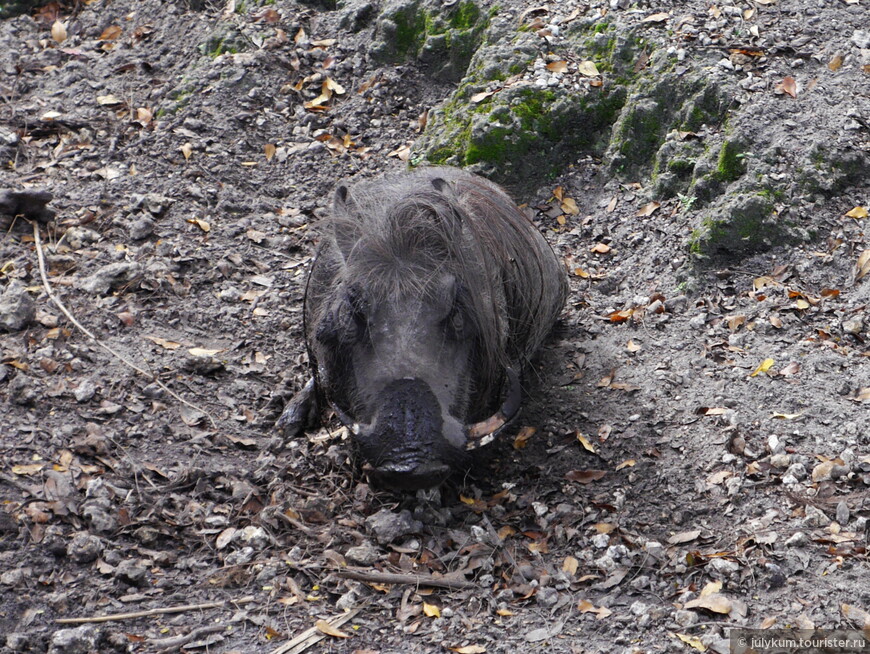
405,445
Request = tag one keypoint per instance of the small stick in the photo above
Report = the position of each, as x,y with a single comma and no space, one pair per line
150,612
416,580
311,636
169,644
150,376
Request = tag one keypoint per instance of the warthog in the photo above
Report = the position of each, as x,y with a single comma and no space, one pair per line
429,292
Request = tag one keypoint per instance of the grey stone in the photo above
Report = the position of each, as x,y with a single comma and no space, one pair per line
111,276
363,554
387,526
80,640
84,548
17,309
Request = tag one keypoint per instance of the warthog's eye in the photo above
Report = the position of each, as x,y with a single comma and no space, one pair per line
347,322
454,322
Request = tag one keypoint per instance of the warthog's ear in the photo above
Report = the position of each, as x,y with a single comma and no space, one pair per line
442,186
452,216
344,223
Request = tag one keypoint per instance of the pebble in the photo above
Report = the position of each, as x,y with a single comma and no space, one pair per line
85,391
75,641
685,618
780,460
363,554
17,309
600,541
84,548
387,526
798,539
842,513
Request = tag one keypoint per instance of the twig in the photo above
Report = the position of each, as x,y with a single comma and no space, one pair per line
161,611
169,644
416,580
150,376
17,484
313,635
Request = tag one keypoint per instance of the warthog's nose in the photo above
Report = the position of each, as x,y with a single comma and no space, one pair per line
405,445
409,477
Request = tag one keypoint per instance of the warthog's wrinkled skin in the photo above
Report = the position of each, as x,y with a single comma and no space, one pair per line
429,292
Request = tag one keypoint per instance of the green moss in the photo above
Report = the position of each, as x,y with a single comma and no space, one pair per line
410,31
465,16
681,167
731,164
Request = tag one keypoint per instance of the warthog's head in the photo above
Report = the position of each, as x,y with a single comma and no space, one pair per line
409,323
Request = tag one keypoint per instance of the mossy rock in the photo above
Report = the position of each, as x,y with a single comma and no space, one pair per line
9,8
743,224
442,38
225,39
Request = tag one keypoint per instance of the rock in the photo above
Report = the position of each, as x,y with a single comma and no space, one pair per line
131,572
600,541
111,276
18,642
723,566
256,537
141,228
842,512
30,203
387,526
85,391
798,539
84,548
685,618
20,390
17,309
547,597
363,554
780,460
80,640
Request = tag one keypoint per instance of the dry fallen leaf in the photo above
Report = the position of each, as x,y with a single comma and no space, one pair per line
764,366
186,150
589,447
58,32
269,149
569,206
480,97
835,62
787,85
474,649
656,18
648,209
684,537
325,627
522,439
585,476
628,463
862,266
588,68
569,565
558,66
692,641
110,33
431,610
715,602
202,224
162,342
600,248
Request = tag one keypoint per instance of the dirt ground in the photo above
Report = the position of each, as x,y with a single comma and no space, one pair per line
693,454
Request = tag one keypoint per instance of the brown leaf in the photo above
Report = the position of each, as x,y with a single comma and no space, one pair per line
325,627
569,565
111,33
522,439
480,97
656,18
269,150
569,206
558,66
862,266
684,537
787,85
648,209
835,62
589,447
58,31
714,602
791,368
585,476
600,248
471,649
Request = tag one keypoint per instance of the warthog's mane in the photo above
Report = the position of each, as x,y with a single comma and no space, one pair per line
397,237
